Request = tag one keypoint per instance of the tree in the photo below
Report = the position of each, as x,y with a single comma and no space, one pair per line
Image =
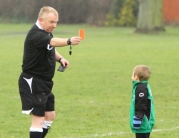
122,13
97,11
150,16
127,17
71,12
116,7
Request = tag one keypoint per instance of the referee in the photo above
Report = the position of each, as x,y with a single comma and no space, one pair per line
35,81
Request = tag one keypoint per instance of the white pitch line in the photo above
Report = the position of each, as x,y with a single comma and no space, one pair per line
169,129
125,133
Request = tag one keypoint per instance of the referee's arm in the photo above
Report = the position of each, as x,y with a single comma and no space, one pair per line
59,58
60,42
57,55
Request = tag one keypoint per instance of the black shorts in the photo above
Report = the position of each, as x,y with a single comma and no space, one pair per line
36,95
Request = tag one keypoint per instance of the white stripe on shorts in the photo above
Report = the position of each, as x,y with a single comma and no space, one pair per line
27,111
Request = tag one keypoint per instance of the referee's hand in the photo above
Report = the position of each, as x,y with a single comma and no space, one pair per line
65,62
75,40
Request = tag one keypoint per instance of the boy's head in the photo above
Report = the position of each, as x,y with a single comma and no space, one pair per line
141,73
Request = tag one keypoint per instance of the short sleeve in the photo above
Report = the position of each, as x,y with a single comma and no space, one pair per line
41,39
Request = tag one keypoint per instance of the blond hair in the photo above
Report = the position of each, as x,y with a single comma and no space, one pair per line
46,10
143,72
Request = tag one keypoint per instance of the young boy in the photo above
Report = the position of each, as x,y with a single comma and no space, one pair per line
142,118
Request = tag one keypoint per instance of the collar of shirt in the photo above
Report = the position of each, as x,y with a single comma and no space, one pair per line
38,25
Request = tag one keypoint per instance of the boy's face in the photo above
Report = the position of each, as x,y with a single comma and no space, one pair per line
135,77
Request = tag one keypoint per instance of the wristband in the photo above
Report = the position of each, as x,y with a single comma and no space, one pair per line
69,41
59,60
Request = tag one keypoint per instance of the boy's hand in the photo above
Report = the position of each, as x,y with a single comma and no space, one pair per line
136,122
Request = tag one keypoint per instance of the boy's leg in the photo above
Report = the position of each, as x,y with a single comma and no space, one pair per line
142,135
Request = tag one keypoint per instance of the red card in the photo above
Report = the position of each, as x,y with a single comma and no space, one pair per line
82,33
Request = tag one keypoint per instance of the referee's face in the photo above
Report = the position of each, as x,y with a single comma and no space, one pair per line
49,22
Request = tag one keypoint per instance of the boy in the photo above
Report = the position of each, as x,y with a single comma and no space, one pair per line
142,118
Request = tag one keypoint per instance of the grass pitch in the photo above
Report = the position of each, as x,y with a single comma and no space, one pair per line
93,94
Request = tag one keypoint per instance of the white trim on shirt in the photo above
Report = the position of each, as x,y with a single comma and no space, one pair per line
38,25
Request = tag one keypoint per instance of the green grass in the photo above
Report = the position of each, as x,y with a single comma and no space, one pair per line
93,94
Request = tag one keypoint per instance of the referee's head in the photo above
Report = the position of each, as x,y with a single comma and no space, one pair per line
48,18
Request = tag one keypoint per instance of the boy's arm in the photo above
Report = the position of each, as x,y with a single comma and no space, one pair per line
141,100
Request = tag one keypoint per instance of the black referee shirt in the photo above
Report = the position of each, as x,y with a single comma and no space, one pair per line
39,56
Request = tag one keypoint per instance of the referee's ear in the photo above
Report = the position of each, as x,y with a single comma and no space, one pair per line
40,21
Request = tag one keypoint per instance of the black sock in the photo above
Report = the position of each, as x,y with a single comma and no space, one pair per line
35,134
46,126
45,131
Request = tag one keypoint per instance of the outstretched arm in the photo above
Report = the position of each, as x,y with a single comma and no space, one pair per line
60,42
